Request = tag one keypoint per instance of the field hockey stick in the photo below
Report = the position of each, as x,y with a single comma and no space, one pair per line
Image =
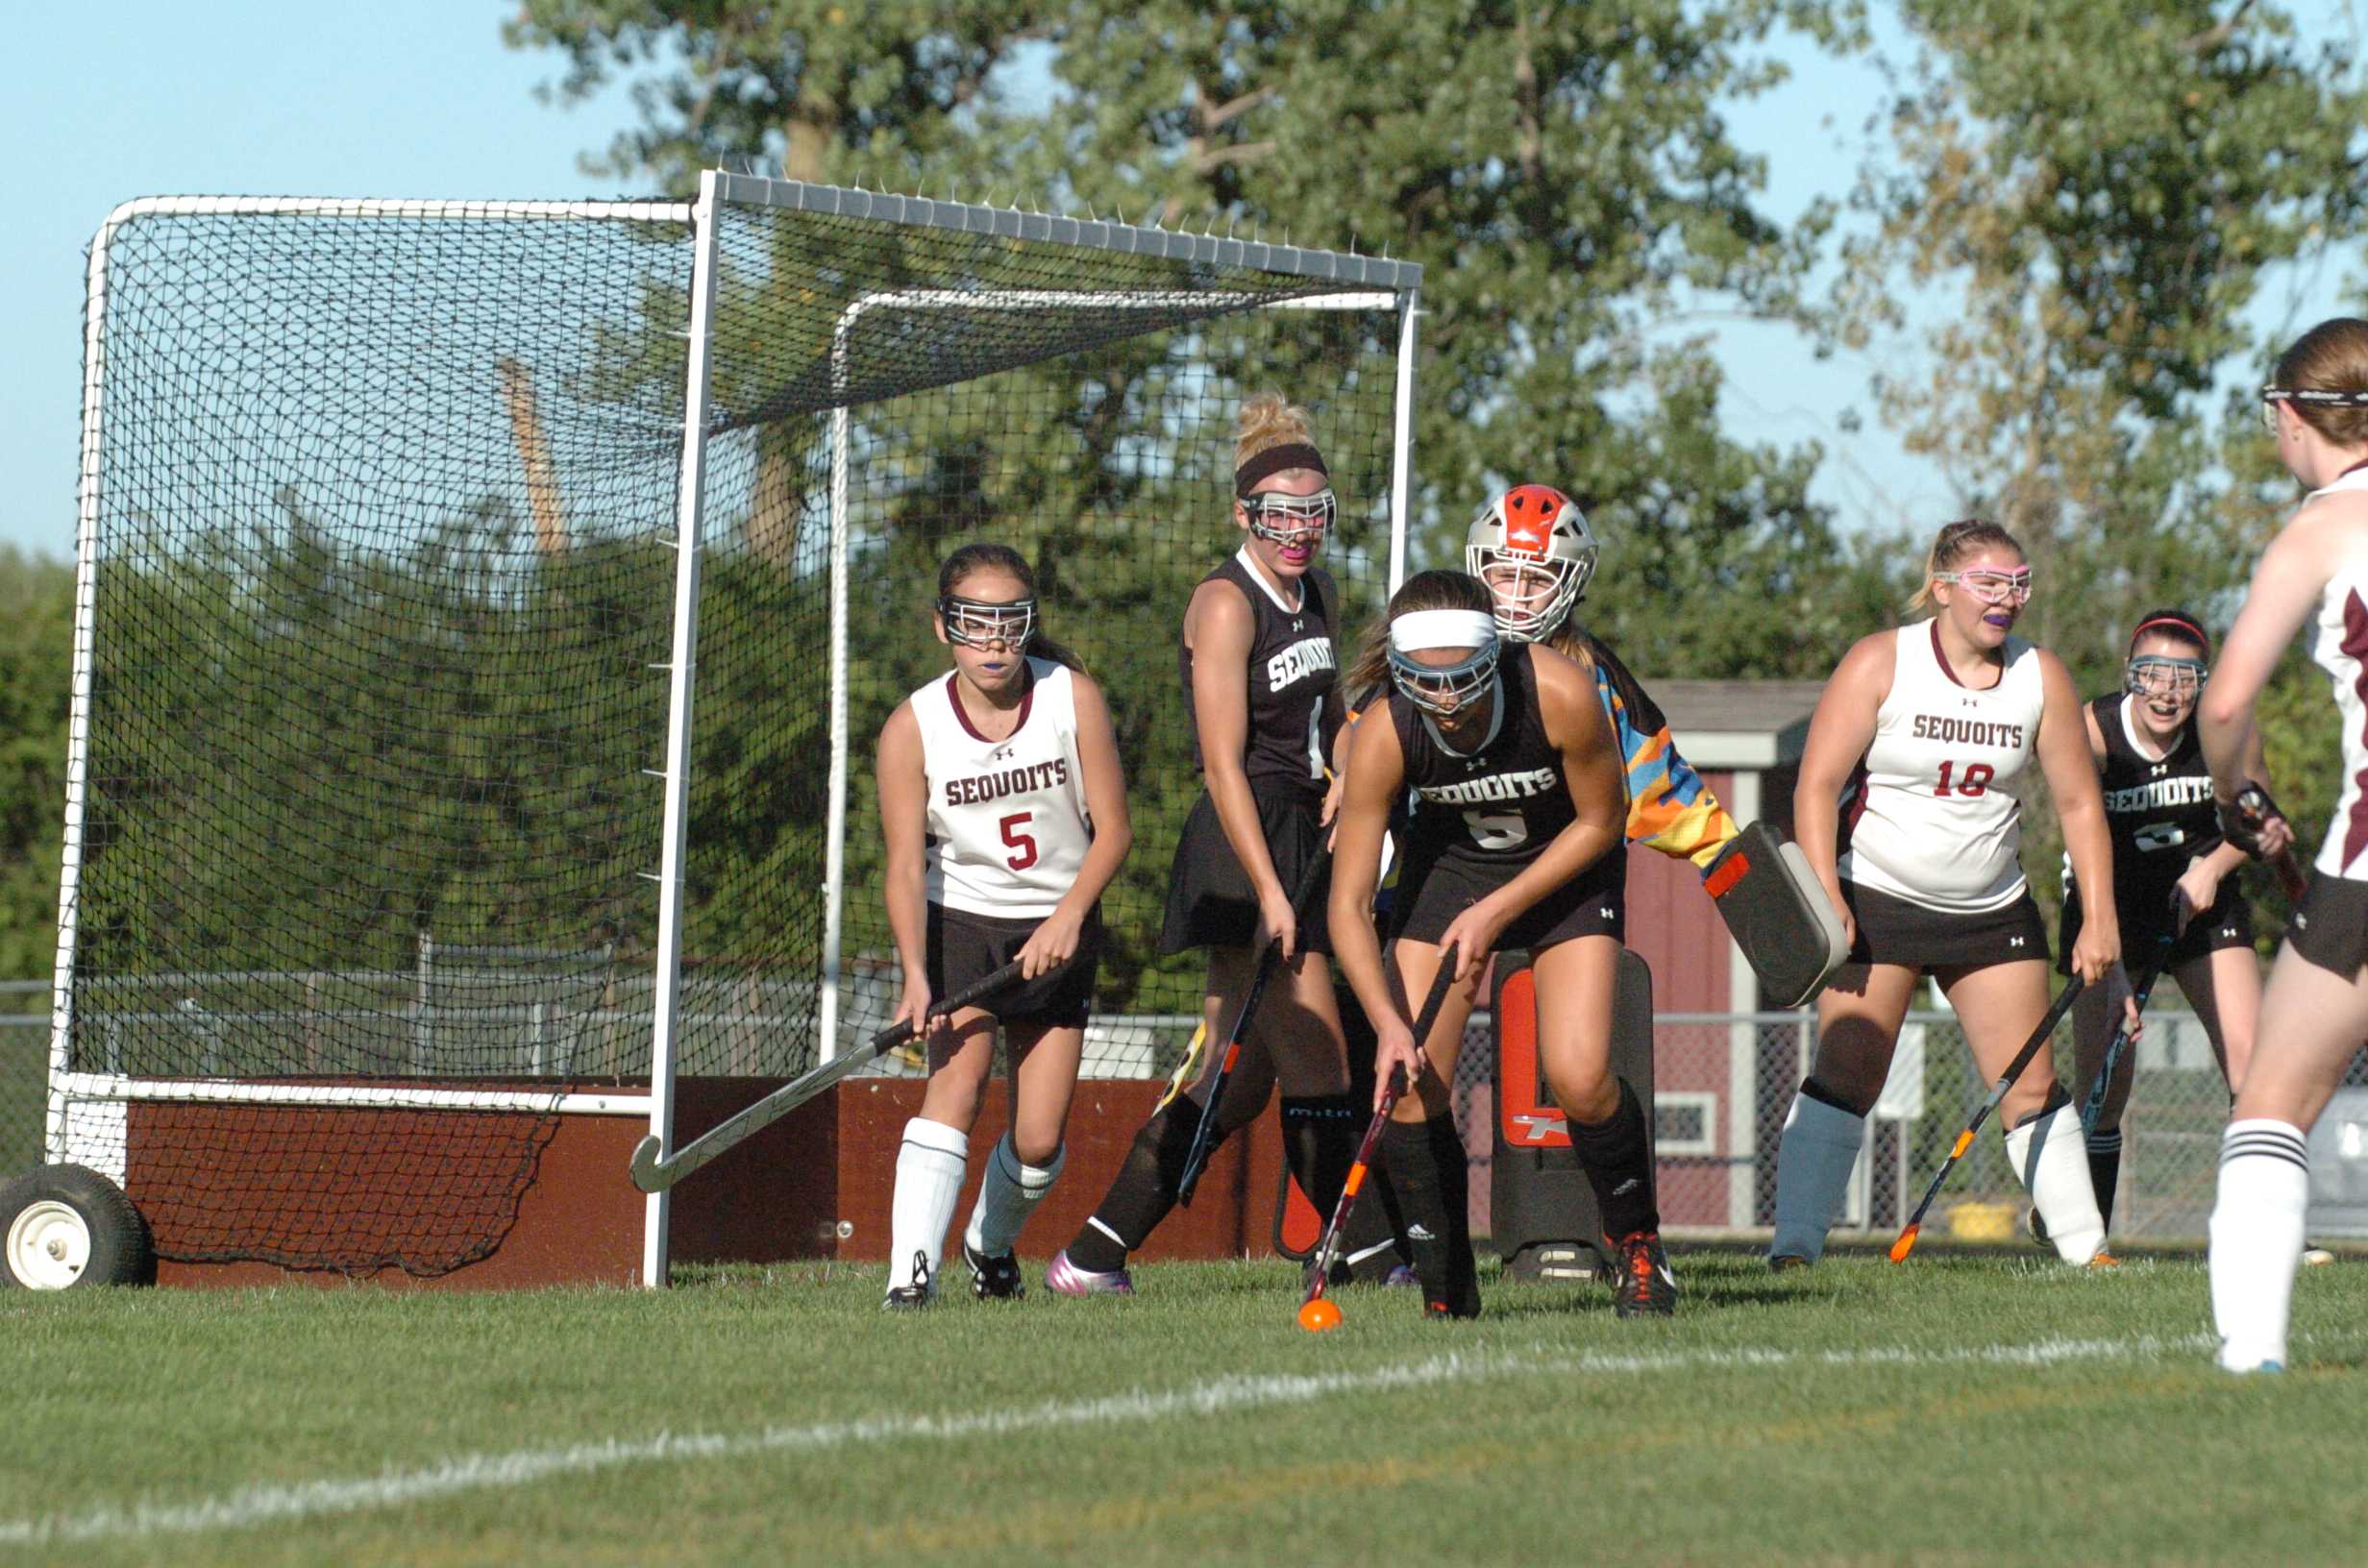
652,1174
2256,808
1998,1092
1205,1135
1328,1248
2093,1107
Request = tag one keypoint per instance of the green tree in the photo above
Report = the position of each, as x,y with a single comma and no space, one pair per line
1564,173
2100,192
36,645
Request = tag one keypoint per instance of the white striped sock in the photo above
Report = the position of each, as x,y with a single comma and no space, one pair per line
2257,1239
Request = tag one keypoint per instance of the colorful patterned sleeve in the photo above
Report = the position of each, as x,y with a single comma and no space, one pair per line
1669,808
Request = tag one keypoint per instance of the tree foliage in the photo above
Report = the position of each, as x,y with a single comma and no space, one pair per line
2100,192
1564,173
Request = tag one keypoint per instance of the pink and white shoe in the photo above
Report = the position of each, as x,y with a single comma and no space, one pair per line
1065,1278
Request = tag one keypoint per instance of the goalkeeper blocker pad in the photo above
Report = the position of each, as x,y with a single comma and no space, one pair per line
1777,915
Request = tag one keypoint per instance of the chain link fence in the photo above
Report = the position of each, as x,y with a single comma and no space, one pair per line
1723,1083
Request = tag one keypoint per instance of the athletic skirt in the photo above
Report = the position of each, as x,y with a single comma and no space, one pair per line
2330,927
2146,919
1210,900
965,948
1894,931
1431,893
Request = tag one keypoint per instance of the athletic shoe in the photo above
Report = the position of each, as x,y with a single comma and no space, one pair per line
996,1277
2313,1257
1401,1277
1065,1278
905,1298
2103,1260
1783,1263
1644,1286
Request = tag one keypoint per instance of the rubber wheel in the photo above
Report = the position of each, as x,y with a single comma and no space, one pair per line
65,1227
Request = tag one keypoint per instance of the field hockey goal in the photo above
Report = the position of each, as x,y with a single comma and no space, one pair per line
484,614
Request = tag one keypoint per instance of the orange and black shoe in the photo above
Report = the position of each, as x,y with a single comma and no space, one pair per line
1642,1284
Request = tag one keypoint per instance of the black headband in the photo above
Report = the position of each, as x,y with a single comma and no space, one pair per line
1265,465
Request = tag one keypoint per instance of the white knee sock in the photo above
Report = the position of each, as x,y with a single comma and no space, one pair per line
2257,1239
928,1180
1820,1143
1008,1192
2051,1159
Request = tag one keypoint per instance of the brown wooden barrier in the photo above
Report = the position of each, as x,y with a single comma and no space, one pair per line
785,1195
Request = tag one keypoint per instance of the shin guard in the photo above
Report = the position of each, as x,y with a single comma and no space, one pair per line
1820,1143
2052,1161
1434,1192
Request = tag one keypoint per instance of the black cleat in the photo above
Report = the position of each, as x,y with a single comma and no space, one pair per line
996,1277
1641,1284
1784,1263
906,1298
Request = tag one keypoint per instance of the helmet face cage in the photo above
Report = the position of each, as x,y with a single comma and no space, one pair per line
1443,689
976,623
1540,532
2156,674
1283,520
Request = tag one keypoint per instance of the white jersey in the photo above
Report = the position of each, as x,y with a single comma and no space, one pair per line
2343,643
1936,818
1007,827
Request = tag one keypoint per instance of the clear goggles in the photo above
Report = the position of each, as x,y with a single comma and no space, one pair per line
2160,675
1991,587
976,622
1282,519
1443,689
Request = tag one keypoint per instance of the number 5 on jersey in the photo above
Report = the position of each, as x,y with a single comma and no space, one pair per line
1019,841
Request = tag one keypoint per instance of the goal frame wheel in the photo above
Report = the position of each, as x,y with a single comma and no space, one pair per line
69,1228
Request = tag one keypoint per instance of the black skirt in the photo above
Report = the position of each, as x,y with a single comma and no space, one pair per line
2330,927
2146,919
1210,900
1894,931
965,948
1594,904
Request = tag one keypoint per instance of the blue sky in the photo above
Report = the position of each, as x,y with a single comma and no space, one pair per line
269,97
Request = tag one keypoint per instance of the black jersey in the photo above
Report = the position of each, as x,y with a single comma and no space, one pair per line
2159,813
1292,669
1498,807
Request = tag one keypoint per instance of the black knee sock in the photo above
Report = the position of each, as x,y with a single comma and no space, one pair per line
1432,1182
1618,1161
1319,1144
1145,1189
2105,1170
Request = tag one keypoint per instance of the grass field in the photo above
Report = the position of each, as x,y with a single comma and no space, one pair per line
1961,1409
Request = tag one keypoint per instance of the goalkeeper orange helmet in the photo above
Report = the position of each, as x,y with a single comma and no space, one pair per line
1532,545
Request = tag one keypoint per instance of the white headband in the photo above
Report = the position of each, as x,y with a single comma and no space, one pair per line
1441,629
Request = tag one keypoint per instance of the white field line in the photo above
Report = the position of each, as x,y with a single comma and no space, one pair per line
252,1505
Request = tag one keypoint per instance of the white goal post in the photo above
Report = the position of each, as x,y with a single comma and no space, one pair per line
87,1091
